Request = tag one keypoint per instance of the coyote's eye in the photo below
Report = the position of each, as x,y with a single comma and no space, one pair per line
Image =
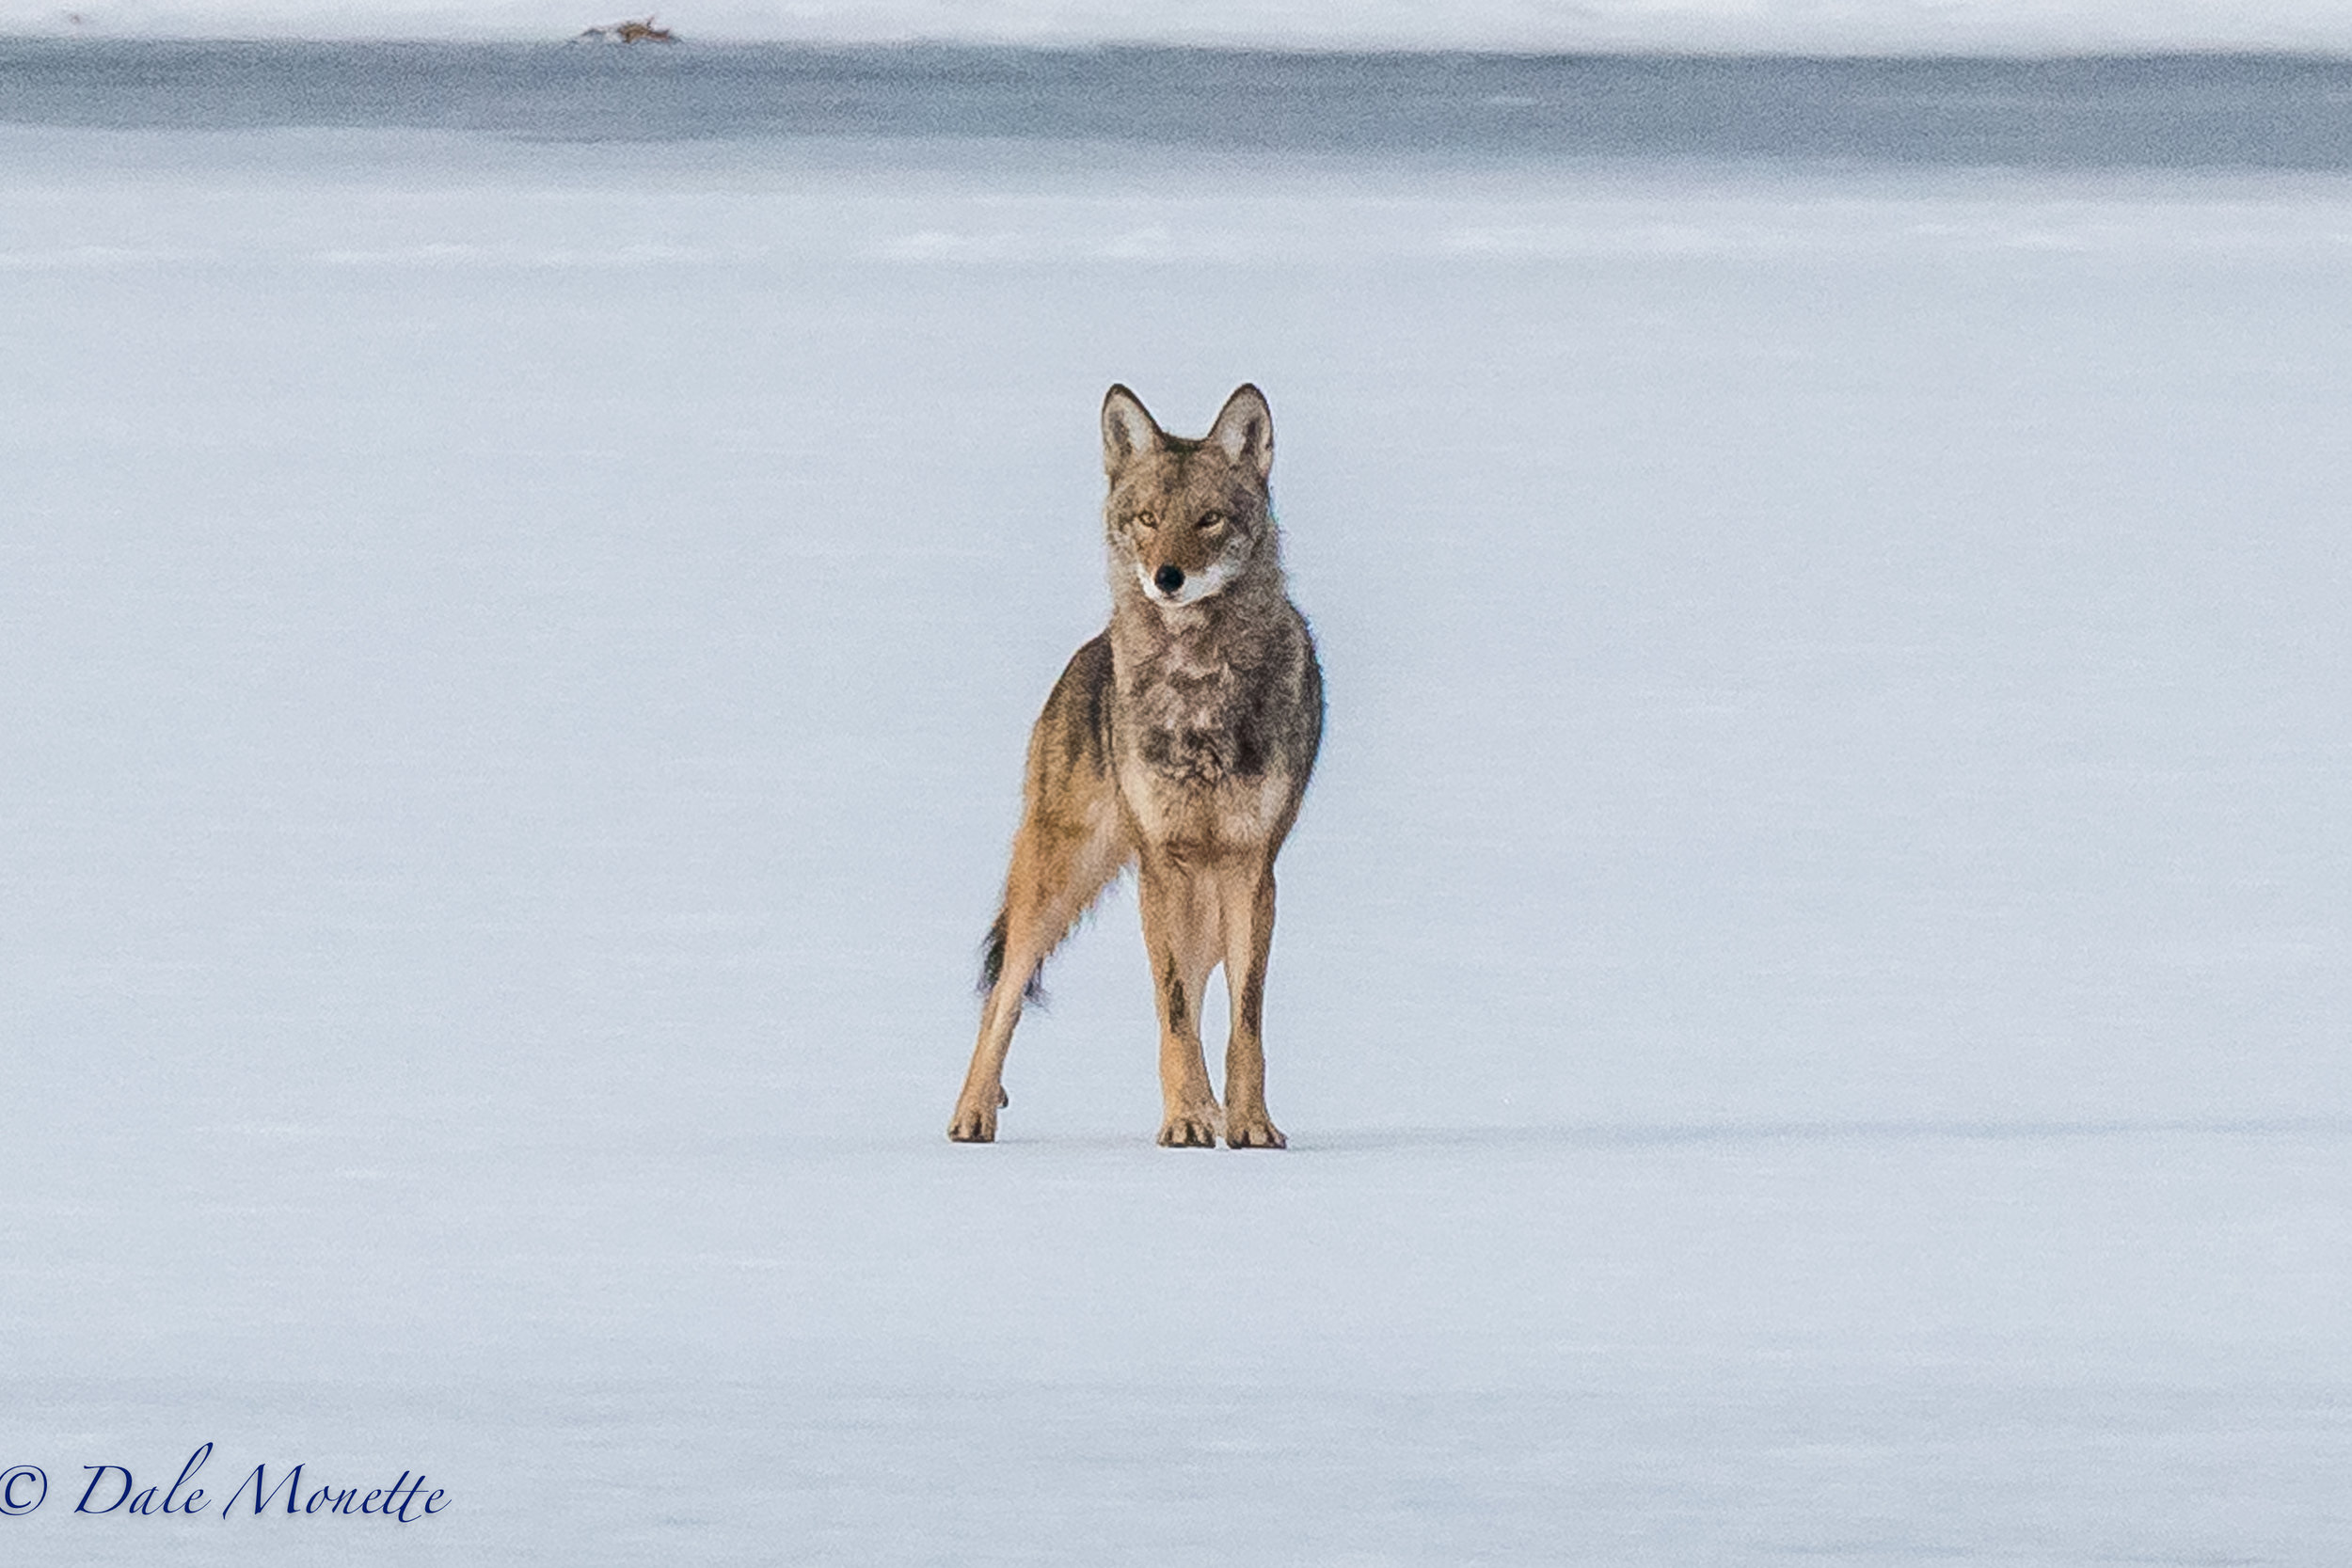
1145,520
1213,522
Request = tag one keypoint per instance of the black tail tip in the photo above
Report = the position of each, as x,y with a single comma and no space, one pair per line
993,965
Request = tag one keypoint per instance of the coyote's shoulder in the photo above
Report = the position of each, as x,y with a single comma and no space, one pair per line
1180,741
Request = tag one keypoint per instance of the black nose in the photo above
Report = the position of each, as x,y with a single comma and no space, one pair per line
1169,579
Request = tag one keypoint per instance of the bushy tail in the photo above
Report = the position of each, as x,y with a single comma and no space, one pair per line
993,964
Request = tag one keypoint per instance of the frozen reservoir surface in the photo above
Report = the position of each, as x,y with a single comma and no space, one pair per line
1813,1005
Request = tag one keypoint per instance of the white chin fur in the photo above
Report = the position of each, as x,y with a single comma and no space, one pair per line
1195,588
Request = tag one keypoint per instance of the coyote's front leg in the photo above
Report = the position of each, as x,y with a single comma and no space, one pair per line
1246,896
1180,932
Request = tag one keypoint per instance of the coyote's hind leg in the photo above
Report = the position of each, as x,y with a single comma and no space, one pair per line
1072,841
1055,875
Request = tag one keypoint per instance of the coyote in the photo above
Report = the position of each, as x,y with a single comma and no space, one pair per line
1179,740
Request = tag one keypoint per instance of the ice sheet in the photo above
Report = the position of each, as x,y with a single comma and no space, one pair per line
1811,1002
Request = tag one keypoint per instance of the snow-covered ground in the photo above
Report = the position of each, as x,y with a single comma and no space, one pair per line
1814,998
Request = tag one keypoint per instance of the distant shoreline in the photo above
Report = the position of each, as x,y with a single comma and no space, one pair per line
2022,55
2241,110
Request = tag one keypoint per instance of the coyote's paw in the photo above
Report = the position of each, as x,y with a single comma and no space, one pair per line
973,1124
1190,1128
1253,1131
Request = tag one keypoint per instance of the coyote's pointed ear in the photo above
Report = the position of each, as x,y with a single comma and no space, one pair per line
1244,431
1128,428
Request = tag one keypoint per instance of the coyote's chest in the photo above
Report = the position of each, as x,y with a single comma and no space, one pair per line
1197,759
1196,721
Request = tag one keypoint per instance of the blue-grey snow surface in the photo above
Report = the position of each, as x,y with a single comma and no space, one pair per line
1814,998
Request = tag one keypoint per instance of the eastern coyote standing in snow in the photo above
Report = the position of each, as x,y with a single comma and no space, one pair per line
1179,740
